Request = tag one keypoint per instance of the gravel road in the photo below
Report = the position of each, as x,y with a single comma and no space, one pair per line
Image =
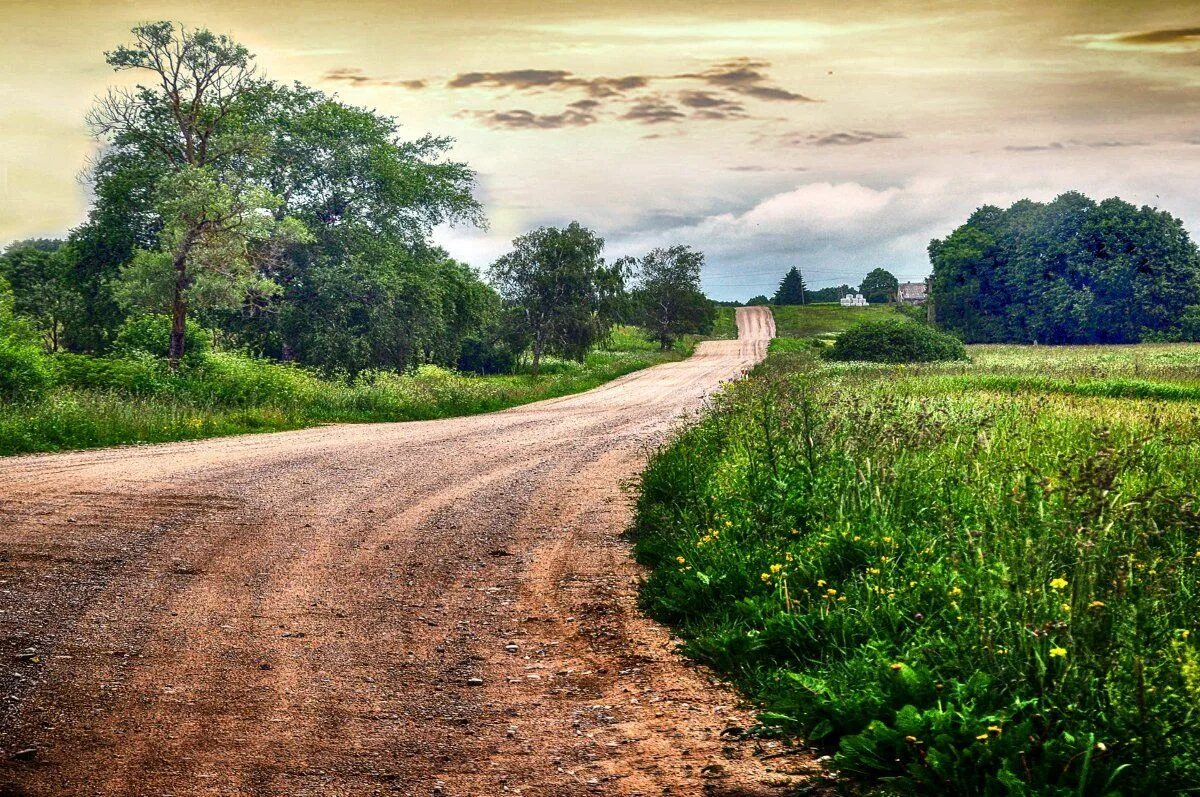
440,607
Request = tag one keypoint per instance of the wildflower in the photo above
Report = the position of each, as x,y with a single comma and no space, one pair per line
1058,652
1058,583
1185,633
820,582
887,539
1066,607
896,665
788,556
954,593
680,559
728,524
775,568
995,729
874,571
831,592
765,576
1096,605
841,597
982,737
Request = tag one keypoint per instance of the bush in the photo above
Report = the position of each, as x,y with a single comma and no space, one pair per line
135,373
25,372
895,340
151,334
1189,324
485,357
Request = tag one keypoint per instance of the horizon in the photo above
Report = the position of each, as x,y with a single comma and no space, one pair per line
836,141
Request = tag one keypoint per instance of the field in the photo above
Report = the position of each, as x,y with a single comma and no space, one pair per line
976,578
111,401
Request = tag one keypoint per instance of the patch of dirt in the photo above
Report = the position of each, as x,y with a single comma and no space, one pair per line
423,608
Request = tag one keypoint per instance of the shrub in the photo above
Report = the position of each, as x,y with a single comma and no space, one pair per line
151,334
1189,324
894,340
25,372
135,373
485,357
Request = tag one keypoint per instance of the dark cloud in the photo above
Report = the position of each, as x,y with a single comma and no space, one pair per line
653,112
559,79
746,76
585,105
1169,36
847,138
707,99
528,120
356,77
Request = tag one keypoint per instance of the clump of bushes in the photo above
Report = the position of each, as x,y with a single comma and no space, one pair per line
24,371
151,334
896,340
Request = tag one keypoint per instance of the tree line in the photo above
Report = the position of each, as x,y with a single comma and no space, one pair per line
878,287
294,226
1068,271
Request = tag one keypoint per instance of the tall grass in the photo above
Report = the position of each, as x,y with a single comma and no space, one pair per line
966,591
112,401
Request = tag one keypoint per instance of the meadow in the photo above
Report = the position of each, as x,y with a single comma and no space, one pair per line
958,578
104,401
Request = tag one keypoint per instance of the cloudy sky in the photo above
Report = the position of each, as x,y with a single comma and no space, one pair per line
833,136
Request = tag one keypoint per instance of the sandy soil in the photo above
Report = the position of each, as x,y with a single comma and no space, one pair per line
420,608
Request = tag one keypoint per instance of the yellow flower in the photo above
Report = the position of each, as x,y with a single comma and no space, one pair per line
982,737
896,665
994,729
831,592
1058,583
874,571
1066,607
765,576
1185,633
820,582
841,597
1096,605
775,568
788,556
1058,652
680,559
954,593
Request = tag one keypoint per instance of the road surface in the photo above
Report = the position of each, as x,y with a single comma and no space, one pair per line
441,607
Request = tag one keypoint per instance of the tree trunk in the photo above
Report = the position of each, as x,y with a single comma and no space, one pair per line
537,355
179,304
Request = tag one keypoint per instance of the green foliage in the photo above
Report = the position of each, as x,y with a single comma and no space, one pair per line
44,292
151,335
485,357
24,371
831,294
562,297
879,286
792,289
758,301
668,300
957,590
896,340
1071,271
825,320
136,398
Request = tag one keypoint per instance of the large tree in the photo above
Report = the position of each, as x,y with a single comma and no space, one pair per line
1069,271
562,297
668,300
792,289
879,286
187,122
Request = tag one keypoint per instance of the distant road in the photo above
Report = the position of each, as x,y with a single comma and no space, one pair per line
359,609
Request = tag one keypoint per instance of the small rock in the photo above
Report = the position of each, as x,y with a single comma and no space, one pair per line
28,754
474,682
511,647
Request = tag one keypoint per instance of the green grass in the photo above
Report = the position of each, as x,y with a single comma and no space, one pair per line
973,578
102,402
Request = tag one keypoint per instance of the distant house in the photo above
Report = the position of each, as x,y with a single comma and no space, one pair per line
854,300
912,293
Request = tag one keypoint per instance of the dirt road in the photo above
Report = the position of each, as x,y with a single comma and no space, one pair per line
420,608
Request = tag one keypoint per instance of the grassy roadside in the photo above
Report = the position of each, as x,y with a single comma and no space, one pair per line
960,579
105,402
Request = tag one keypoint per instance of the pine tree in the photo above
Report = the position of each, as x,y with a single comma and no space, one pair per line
792,290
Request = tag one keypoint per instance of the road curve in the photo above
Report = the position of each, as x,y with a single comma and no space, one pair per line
440,607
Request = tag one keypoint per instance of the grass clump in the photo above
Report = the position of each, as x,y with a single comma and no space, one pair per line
964,591
896,340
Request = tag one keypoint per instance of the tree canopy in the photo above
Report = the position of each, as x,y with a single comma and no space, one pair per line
668,300
792,289
1069,271
879,286
560,295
